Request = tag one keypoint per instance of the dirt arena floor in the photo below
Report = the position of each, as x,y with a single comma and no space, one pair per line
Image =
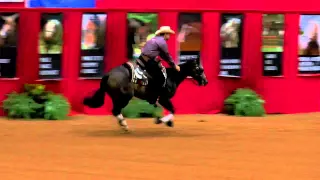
284,147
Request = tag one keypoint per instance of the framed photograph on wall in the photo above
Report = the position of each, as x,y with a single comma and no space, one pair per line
272,44
50,46
141,27
231,41
93,40
9,27
189,36
308,45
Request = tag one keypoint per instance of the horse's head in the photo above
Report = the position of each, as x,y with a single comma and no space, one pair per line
9,24
196,71
52,32
52,29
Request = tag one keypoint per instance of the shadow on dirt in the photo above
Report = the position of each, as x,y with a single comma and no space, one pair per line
145,133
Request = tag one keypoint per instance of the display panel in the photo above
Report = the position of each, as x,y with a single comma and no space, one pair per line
141,27
50,46
9,27
93,37
272,44
231,41
309,49
189,37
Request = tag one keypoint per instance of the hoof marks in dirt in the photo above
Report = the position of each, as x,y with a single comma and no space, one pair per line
202,120
125,129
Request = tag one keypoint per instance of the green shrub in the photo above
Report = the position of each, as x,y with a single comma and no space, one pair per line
244,102
35,102
37,92
34,89
56,107
139,108
20,106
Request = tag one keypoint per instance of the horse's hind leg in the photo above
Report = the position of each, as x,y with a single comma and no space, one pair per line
118,105
167,104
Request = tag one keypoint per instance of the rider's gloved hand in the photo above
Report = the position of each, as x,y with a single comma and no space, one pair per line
177,68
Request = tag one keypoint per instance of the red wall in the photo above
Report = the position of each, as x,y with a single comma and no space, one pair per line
287,94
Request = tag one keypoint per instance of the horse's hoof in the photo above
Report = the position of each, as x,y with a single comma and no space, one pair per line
157,120
125,128
169,123
123,125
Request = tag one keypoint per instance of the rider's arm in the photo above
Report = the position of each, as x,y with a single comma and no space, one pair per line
164,53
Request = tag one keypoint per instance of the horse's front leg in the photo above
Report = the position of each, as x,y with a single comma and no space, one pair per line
168,119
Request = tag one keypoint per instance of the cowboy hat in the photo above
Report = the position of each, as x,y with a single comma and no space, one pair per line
164,29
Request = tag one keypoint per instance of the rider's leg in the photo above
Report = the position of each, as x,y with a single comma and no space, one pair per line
152,69
158,84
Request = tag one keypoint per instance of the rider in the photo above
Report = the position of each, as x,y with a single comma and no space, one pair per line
157,46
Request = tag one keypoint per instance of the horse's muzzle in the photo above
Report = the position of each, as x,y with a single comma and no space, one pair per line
204,82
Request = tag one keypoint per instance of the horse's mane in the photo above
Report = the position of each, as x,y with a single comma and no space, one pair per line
101,34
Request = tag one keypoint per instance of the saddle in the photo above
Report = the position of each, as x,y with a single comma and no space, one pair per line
139,75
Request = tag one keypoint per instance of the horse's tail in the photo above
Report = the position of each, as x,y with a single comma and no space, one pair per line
97,99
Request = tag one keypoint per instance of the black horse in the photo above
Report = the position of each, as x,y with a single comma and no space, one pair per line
122,83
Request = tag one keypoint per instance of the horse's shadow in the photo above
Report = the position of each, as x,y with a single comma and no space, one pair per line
137,133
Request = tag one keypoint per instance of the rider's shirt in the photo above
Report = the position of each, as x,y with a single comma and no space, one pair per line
157,46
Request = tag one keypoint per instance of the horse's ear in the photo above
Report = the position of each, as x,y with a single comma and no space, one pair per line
14,16
194,62
198,60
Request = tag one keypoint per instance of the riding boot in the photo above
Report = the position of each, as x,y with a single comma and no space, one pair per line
157,91
157,94
153,100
